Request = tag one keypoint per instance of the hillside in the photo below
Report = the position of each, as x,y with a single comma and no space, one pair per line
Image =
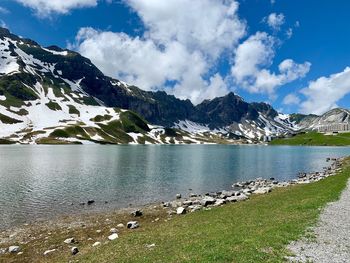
315,139
54,95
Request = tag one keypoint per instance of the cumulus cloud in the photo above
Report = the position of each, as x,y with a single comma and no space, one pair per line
183,43
45,8
275,21
291,99
252,59
178,46
324,93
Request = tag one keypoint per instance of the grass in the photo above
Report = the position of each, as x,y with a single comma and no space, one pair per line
254,231
53,106
257,230
315,139
8,120
73,110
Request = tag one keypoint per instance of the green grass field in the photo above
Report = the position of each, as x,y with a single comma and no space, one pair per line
315,139
257,230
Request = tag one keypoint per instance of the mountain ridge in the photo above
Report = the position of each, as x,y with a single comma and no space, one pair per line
73,92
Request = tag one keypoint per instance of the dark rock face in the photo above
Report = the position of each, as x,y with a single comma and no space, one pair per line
224,111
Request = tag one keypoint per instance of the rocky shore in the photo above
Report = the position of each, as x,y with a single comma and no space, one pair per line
241,191
72,235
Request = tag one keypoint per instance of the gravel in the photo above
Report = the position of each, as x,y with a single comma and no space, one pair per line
332,235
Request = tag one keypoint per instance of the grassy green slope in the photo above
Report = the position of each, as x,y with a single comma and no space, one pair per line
314,138
257,230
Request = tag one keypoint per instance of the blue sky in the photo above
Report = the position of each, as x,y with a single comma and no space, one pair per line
292,54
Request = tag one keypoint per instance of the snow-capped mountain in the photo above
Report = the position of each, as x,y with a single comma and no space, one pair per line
314,122
52,95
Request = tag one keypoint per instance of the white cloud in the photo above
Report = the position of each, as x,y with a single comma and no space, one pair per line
3,24
3,10
182,45
44,8
291,99
275,21
289,33
179,46
253,57
324,93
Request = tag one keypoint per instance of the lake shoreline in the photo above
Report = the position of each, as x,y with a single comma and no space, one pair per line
92,223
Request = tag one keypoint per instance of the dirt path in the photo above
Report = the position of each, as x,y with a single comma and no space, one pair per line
332,235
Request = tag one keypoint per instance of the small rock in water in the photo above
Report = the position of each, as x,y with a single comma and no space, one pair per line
74,250
98,231
113,236
69,240
90,202
113,230
137,213
180,211
14,249
132,225
178,196
120,226
96,244
49,251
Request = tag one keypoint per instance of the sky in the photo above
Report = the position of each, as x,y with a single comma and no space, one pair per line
289,53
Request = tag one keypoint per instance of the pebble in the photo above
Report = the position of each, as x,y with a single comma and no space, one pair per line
69,240
137,213
14,249
96,244
74,250
120,226
151,245
113,236
132,224
180,211
113,230
49,251
178,196
90,202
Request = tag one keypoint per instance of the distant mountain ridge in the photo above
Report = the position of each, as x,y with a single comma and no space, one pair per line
56,95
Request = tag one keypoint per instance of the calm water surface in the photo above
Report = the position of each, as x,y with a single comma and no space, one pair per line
38,182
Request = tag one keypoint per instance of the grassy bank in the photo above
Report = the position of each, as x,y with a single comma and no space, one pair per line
315,139
257,230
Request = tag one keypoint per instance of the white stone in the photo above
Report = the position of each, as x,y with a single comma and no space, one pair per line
120,226
113,236
180,211
69,240
96,244
49,251
113,230
14,249
133,224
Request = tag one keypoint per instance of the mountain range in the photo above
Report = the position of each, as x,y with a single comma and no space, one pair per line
54,95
